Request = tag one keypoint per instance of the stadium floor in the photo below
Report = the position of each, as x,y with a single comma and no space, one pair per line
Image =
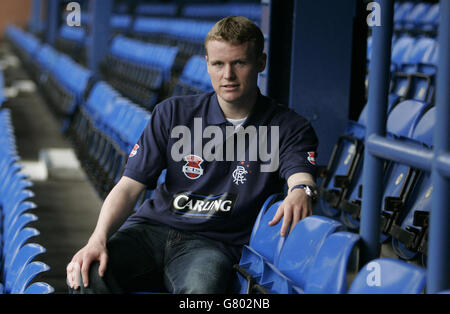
67,209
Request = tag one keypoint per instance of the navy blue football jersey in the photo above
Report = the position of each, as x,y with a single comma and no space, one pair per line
218,177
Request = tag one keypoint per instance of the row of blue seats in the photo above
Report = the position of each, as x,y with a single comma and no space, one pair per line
156,18
177,29
27,41
62,78
194,79
145,54
413,69
157,9
104,159
316,257
118,23
2,85
407,191
411,54
72,33
252,11
411,16
105,130
141,71
18,267
210,11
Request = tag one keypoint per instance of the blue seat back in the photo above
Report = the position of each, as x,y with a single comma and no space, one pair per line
328,273
25,255
27,274
404,117
267,240
302,245
389,276
39,288
401,48
420,199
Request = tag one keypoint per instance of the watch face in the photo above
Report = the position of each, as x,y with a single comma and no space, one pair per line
311,192
308,191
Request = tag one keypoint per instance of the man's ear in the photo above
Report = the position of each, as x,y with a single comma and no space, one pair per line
262,62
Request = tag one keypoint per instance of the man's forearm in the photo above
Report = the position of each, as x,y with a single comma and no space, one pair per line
117,207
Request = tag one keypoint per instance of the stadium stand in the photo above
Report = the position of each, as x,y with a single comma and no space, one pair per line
157,51
141,71
17,255
2,85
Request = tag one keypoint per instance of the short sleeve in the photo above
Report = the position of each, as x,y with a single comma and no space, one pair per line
148,157
298,147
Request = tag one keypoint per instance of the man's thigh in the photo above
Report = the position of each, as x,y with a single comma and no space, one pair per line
135,257
197,266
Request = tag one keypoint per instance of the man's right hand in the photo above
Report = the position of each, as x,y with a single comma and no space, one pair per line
93,251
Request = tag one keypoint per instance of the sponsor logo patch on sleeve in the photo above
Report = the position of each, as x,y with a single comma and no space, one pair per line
312,158
134,151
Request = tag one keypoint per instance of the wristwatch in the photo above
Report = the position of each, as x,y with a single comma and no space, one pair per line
309,190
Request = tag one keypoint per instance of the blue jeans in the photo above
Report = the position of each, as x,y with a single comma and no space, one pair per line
155,258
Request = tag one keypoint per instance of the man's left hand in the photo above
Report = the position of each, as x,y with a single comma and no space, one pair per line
296,206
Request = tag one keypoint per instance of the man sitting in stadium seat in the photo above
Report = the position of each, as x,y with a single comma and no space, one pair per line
188,236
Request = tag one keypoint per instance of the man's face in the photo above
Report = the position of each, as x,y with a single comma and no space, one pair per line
233,70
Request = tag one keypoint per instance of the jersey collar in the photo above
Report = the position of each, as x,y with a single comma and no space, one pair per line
215,115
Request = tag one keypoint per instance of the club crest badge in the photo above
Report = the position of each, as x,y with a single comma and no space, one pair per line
134,151
239,175
192,169
312,158
241,172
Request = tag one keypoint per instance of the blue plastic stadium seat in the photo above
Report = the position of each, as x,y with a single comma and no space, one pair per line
11,249
298,253
409,22
46,60
429,22
389,276
421,52
2,85
328,274
401,12
121,22
399,179
409,234
401,48
24,256
194,79
156,9
140,70
402,120
26,43
265,244
218,11
72,33
39,288
11,231
26,275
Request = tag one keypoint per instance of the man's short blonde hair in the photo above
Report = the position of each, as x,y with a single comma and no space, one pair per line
237,30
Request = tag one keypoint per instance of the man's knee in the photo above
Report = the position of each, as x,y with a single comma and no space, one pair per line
96,283
201,281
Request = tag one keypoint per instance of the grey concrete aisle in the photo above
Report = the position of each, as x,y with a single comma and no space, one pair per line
67,209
